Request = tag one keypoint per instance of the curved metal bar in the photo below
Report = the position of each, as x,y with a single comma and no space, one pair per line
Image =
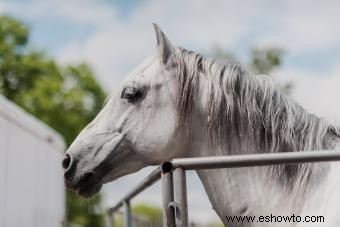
179,166
248,160
153,177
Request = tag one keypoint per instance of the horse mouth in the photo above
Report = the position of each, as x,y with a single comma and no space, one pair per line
89,191
88,185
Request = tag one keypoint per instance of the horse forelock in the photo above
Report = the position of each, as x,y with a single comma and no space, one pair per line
247,113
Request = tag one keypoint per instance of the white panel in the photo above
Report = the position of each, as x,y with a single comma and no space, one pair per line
20,179
28,123
41,198
3,162
59,188
55,187
50,187
31,179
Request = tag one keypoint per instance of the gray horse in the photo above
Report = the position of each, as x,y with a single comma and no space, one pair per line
181,104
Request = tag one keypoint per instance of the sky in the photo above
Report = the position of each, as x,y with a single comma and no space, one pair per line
115,36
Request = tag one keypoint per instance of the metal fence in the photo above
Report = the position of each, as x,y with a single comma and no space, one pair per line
173,177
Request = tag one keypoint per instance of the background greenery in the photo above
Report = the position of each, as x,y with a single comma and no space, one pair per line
64,97
68,97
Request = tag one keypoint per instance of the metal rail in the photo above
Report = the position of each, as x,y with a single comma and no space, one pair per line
154,176
172,173
248,160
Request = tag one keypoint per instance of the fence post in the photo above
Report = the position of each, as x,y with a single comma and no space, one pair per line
127,214
168,197
110,219
180,197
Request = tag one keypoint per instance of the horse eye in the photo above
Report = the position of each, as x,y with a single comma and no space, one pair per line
131,93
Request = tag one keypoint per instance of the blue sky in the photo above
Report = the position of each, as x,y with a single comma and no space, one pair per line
54,29
115,36
60,31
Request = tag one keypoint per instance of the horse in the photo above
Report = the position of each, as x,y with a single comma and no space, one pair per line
178,104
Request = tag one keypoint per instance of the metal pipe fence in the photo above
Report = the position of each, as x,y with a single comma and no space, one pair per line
173,177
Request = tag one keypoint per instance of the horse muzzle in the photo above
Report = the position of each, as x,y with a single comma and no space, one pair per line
86,184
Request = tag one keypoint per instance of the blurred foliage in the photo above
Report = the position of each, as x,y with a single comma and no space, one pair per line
217,225
152,213
262,61
143,215
85,213
64,97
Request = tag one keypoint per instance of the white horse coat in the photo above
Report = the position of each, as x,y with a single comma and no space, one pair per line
182,104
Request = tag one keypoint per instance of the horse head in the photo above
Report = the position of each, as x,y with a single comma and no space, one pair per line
136,127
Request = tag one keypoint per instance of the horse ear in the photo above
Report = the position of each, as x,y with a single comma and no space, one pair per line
165,49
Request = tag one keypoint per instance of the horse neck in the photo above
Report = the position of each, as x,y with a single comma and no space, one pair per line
251,190
242,191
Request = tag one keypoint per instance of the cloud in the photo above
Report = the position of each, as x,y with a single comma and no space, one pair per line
319,94
81,12
304,26
117,46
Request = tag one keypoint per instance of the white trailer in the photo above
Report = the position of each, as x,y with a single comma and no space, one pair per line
32,192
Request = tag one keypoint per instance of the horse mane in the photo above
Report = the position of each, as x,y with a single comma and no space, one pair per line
246,113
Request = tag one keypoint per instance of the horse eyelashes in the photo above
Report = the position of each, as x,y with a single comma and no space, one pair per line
128,92
131,93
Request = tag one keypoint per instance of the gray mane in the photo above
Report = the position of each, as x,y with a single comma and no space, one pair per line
247,113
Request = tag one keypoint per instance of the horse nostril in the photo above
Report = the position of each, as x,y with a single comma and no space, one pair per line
66,161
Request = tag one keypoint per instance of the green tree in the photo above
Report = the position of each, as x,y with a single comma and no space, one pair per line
66,98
